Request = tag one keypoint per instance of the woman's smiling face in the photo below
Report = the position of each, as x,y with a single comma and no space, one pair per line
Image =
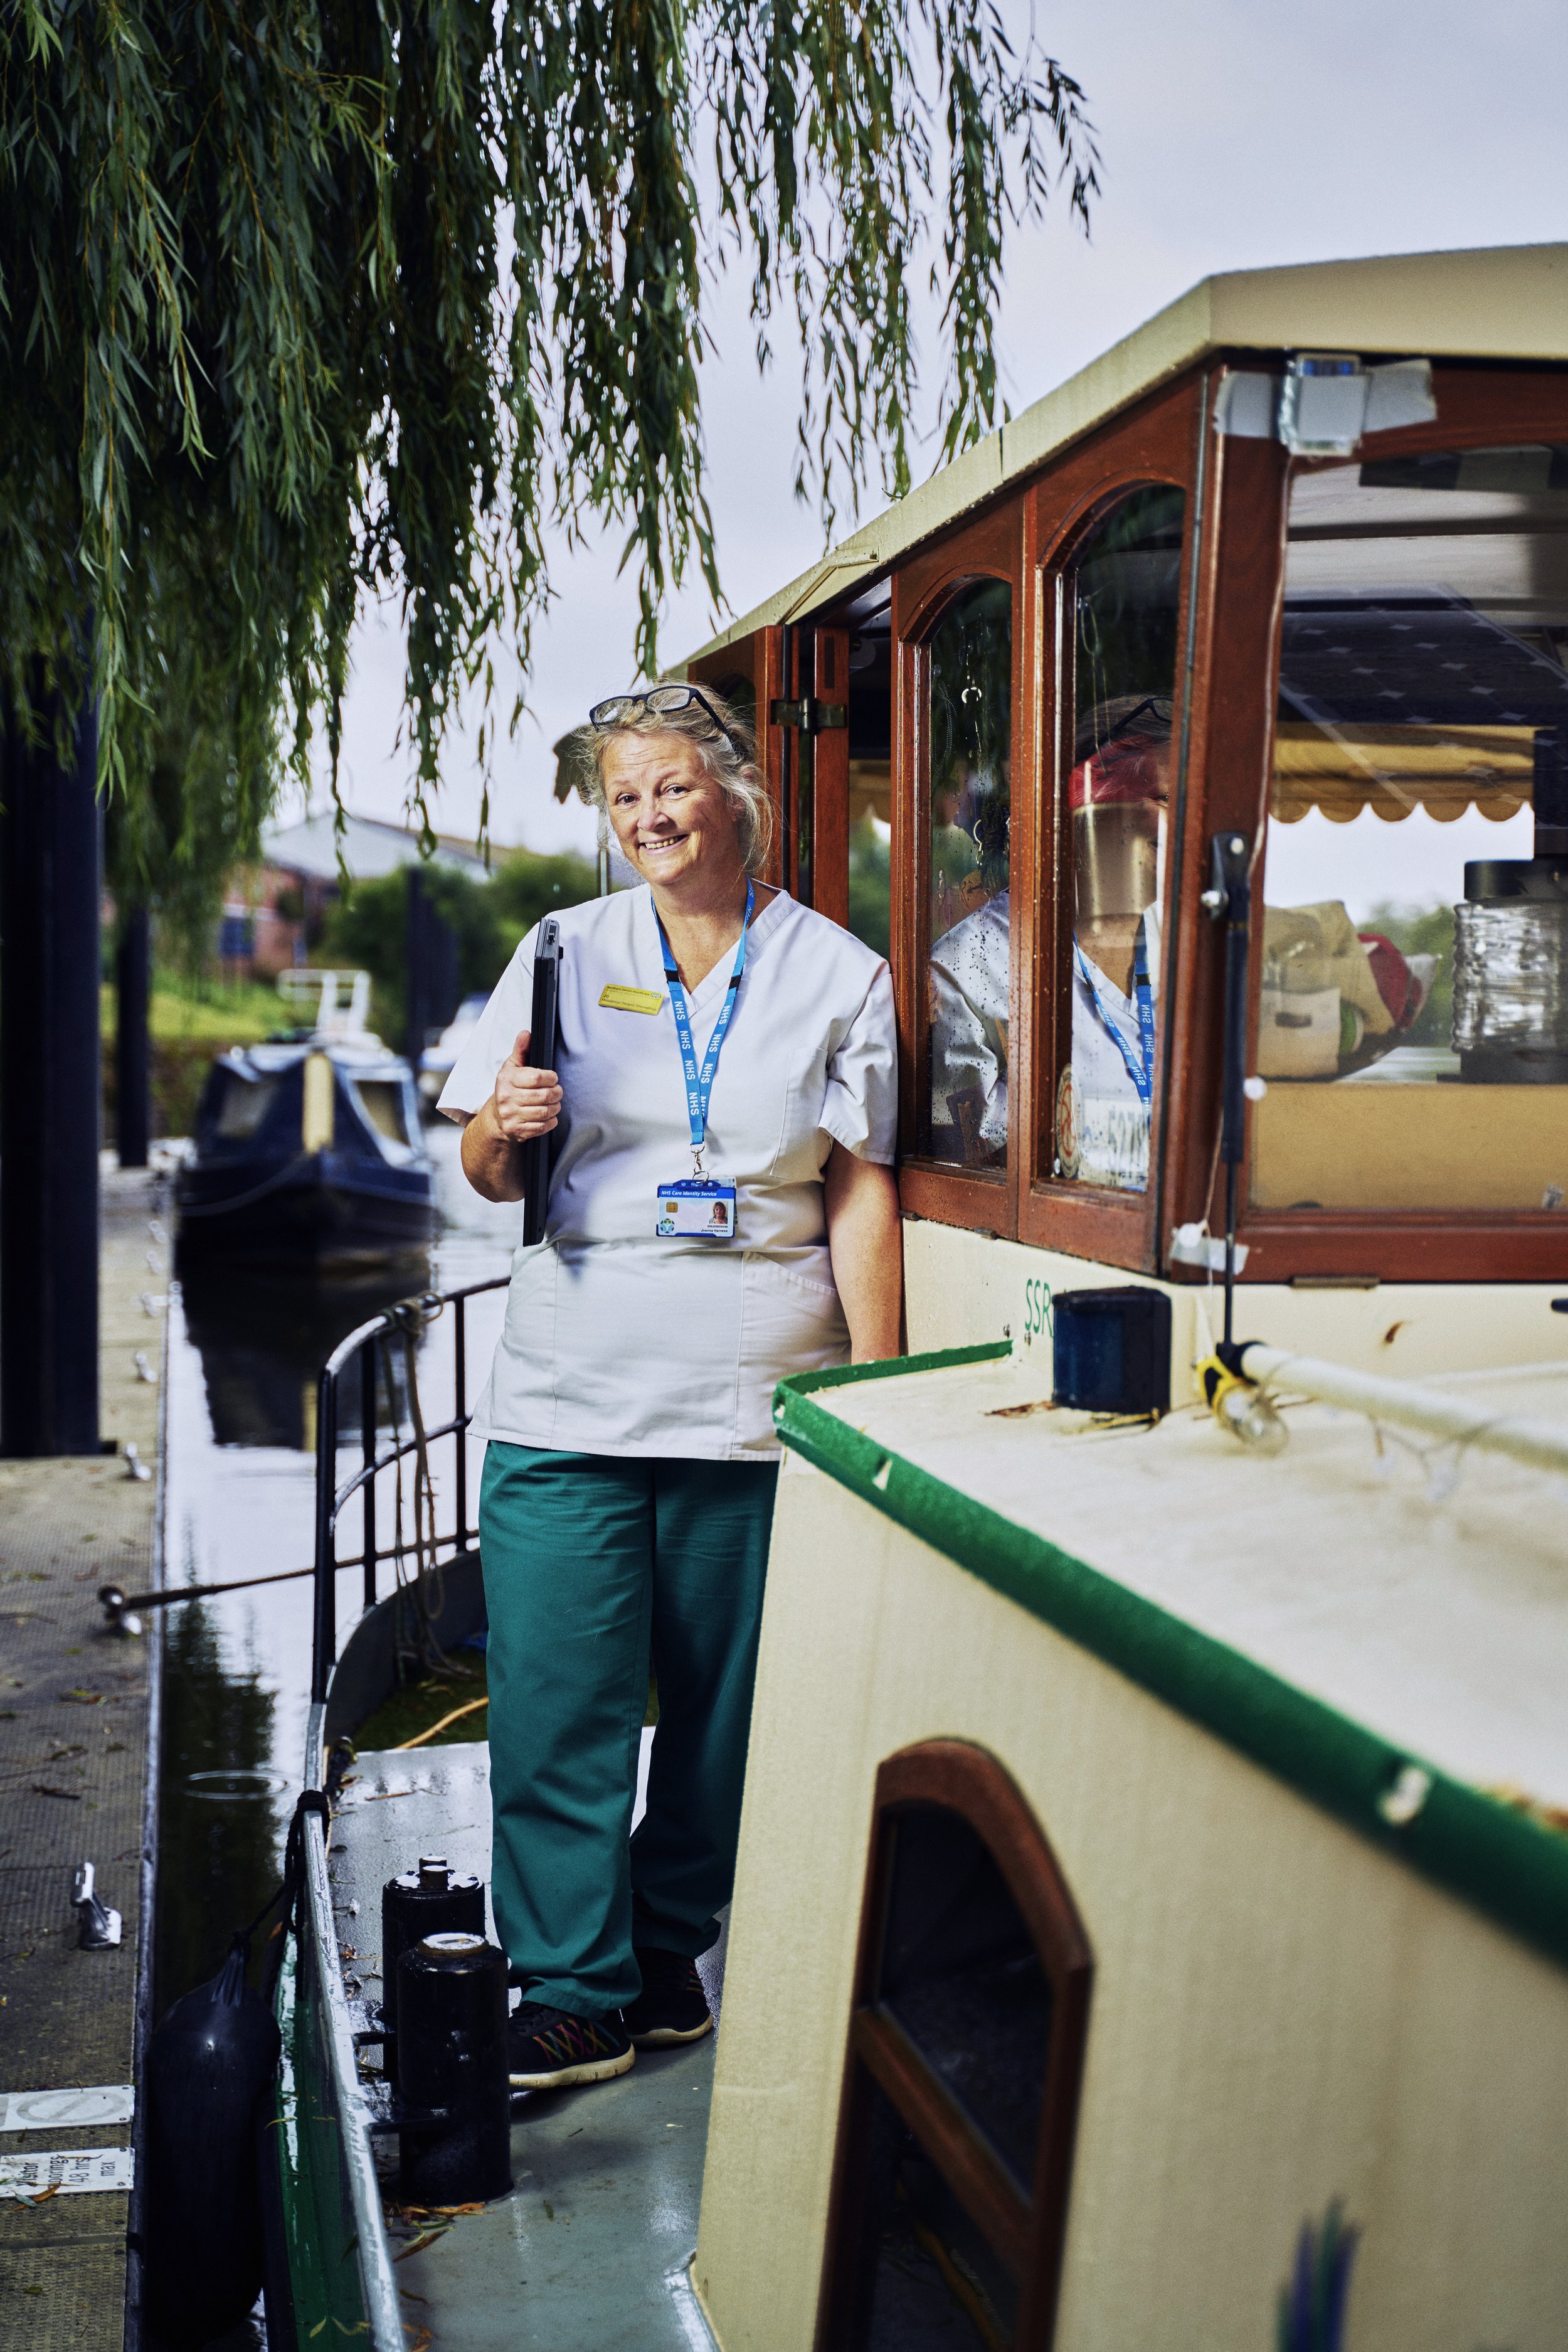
671,818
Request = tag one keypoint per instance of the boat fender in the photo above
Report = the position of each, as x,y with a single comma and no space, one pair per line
209,2065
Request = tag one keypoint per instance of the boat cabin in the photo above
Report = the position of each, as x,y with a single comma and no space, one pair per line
1291,562
1152,1910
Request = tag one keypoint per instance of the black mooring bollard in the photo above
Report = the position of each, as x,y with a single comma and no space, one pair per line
429,1901
452,2065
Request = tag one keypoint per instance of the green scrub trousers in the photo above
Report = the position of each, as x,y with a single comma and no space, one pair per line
598,1567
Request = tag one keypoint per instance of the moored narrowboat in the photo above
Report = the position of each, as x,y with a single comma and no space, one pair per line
309,1149
1151,1919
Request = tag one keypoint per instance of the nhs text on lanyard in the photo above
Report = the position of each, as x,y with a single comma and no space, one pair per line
699,1206
1142,1071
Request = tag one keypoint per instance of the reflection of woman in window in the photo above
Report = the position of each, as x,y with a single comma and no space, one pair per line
969,985
1117,793
971,738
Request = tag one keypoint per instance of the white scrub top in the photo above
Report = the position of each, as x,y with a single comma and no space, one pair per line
615,1341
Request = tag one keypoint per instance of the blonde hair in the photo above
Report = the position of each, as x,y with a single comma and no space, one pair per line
582,753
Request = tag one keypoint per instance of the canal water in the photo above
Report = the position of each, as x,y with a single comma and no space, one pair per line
244,1350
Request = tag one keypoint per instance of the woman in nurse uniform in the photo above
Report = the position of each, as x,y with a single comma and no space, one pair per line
722,1213
1118,795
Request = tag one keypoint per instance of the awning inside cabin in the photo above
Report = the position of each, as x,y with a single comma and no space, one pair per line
1396,702
1340,771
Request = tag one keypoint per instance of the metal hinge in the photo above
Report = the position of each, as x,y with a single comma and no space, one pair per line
812,717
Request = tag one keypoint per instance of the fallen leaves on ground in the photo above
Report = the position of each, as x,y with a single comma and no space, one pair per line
426,2238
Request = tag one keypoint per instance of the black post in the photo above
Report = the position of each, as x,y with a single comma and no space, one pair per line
324,1642
416,967
460,1413
51,1091
430,967
132,1057
1228,899
366,1462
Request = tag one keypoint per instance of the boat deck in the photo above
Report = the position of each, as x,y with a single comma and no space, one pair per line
589,2253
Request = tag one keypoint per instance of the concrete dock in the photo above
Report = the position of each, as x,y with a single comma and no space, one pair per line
76,1711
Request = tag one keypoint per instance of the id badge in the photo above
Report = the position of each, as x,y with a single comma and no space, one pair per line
696,1208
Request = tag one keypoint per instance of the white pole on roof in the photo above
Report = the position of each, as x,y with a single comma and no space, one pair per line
1543,1444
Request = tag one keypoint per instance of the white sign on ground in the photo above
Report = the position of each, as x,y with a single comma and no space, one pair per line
66,2172
100,2103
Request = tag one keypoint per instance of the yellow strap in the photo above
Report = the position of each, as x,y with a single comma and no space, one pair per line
1218,1381
631,1000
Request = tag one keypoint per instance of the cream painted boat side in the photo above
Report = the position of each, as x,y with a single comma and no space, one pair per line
963,1288
1281,2013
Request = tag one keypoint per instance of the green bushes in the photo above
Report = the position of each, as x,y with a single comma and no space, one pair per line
367,930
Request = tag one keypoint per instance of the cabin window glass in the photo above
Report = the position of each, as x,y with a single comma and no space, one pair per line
964,2048
740,693
384,1108
870,714
964,1114
961,1975
244,1104
1413,1017
1123,598
930,2275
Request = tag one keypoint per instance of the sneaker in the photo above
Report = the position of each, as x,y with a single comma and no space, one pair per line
672,2006
547,2050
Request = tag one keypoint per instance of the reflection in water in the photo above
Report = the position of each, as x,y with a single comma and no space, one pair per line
264,1338
217,1803
244,1356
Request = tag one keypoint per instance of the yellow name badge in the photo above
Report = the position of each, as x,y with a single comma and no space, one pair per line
631,1000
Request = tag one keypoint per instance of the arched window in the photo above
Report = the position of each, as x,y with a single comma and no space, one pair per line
968,667
966,2047
1118,632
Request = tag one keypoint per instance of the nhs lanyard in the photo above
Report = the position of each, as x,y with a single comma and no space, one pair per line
699,1083
1141,1072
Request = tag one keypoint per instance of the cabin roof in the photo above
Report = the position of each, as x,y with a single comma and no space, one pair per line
1507,302
1351,1606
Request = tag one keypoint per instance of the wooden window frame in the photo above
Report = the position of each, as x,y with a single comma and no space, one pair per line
1228,629
1238,627
829,667
760,658
807,775
1028,2232
923,588
1158,444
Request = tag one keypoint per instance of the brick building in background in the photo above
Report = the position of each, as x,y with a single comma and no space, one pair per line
274,913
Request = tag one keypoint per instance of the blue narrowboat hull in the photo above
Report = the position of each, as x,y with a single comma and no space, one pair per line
343,1184
319,1208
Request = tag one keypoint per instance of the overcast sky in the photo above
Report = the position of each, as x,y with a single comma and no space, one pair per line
1235,134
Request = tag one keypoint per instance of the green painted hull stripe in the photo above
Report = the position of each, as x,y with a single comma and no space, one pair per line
1508,1866
318,2220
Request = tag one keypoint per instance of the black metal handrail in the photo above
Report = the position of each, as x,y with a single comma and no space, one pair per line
330,1498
